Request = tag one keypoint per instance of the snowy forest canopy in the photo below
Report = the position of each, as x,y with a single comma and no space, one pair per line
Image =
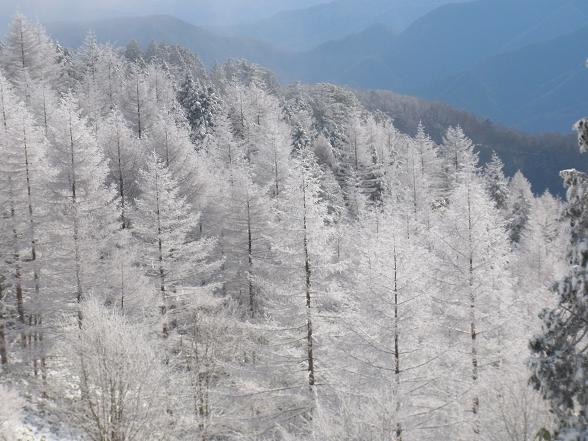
206,255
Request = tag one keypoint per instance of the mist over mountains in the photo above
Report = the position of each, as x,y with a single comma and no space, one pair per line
305,28
210,47
200,12
460,39
521,89
484,56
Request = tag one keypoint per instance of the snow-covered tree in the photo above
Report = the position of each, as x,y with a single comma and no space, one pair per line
26,178
496,183
304,282
389,345
170,253
471,268
139,99
423,173
120,387
99,86
28,56
558,357
86,210
518,206
125,158
543,243
202,105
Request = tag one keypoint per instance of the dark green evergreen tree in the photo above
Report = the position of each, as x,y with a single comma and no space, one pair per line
560,355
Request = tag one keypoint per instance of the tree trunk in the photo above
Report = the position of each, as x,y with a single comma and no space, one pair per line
475,398
166,148
3,348
76,227
276,172
110,94
45,125
36,267
22,51
397,350
122,287
17,265
414,188
162,288
3,108
250,260
308,274
16,253
121,181
138,109
355,152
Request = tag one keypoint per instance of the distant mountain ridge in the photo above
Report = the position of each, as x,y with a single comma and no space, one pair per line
521,88
540,157
198,12
209,46
452,40
455,37
484,56
305,28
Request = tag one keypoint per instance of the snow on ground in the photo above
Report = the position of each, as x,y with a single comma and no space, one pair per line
19,421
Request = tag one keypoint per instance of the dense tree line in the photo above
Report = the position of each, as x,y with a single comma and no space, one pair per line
206,255
539,156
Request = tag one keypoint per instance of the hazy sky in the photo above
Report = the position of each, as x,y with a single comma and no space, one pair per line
202,12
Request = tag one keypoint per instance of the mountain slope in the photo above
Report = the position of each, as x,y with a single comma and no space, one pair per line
522,88
436,57
345,61
446,41
540,158
209,46
454,37
304,29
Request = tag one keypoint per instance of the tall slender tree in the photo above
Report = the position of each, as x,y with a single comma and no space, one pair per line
165,224
26,177
472,262
87,213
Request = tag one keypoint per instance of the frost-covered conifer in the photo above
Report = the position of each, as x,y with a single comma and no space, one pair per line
28,56
559,359
170,252
26,178
475,293
201,104
496,183
85,205
518,206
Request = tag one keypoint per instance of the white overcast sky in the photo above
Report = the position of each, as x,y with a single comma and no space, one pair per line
202,12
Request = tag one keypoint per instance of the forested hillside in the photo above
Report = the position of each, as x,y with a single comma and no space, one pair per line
486,57
539,157
193,254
